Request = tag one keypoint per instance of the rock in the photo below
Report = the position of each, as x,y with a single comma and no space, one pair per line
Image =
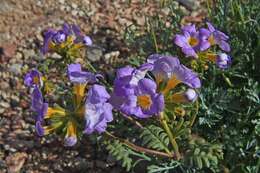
2,110
61,1
5,6
15,68
28,53
101,164
24,104
109,57
81,13
14,101
74,12
111,160
7,51
94,54
56,56
4,104
74,6
15,162
189,4
4,85
117,170
83,164
140,20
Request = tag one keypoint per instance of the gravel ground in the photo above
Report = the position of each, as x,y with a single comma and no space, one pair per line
21,24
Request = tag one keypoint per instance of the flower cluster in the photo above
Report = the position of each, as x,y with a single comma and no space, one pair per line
197,43
91,105
160,86
69,39
135,94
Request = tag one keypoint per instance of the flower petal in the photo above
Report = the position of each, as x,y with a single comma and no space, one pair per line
224,46
180,40
189,51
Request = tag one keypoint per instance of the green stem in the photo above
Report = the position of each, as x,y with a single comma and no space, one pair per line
91,67
170,135
154,39
194,116
133,121
138,148
227,80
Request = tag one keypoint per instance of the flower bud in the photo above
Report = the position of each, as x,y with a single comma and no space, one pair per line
223,61
191,95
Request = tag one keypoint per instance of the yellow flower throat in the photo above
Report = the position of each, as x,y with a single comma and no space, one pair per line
193,41
144,101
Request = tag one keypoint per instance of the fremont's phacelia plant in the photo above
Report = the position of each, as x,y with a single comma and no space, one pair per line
161,89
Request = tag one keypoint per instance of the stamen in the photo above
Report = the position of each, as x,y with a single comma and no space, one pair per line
36,80
193,41
171,84
54,111
68,42
49,129
51,46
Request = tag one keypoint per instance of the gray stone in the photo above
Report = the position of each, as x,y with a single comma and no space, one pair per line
4,104
74,12
94,54
5,6
74,6
61,1
15,68
28,53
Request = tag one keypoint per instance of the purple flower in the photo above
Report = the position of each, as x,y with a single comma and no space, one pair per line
191,95
45,130
190,41
223,61
39,129
47,38
126,79
71,135
140,100
33,78
76,75
131,76
163,66
86,40
98,112
57,37
185,97
215,37
168,68
70,141
38,105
